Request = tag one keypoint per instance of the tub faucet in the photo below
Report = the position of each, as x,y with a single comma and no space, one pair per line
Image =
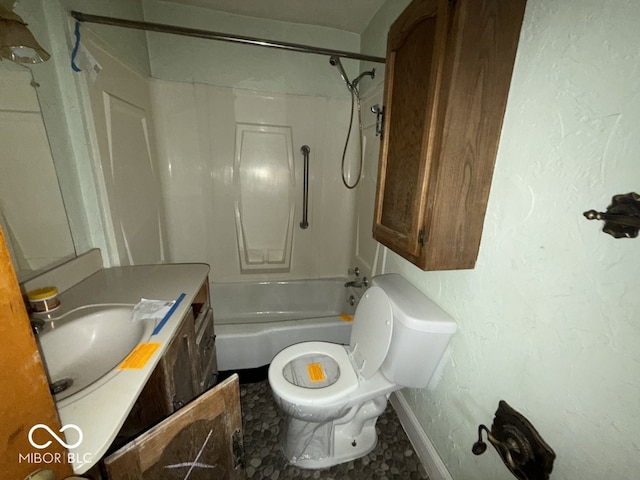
357,283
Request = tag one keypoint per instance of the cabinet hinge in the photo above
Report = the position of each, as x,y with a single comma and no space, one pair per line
421,235
238,450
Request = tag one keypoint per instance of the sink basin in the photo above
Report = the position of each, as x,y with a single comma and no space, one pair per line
84,345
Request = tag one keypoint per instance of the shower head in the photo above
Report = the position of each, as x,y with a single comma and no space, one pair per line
356,81
335,61
352,86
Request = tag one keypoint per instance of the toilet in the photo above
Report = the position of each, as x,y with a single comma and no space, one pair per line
332,394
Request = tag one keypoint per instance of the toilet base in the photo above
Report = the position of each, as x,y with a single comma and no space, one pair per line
346,449
352,436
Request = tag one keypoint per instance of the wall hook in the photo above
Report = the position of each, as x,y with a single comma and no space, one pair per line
622,218
518,443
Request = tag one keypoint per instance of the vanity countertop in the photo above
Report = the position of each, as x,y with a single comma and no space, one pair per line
100,411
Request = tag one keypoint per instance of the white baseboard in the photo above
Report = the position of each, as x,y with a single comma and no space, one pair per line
425,450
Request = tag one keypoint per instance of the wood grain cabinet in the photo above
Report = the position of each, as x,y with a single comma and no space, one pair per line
448,72
187,369
201,440
178,371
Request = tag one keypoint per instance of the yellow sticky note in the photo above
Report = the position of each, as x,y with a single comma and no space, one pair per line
316,373
346,318
139,357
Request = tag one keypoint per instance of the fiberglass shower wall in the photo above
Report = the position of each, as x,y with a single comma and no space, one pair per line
232,180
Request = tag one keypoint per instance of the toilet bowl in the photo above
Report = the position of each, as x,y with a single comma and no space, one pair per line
333,394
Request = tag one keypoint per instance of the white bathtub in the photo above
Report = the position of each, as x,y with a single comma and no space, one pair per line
254,321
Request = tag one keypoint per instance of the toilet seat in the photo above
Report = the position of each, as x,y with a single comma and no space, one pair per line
346,383
371,332
370,340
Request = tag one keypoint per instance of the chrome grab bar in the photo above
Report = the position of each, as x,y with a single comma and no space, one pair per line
305,191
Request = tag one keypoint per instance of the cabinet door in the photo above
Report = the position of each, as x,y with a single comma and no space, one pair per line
449,65
181,366
203,440
206,345
25,399
415,53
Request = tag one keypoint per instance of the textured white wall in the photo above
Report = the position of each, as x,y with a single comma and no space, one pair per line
549,317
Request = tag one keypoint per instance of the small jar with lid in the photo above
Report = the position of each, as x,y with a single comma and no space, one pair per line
43,300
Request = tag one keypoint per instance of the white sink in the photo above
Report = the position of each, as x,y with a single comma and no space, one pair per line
87,344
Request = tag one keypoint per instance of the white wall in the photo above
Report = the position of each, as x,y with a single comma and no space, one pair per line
249,67
548,318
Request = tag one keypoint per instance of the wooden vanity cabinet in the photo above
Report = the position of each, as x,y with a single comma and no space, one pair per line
448,71
204,439
186,370
179,421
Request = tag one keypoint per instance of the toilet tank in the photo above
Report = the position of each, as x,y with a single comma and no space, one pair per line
420,335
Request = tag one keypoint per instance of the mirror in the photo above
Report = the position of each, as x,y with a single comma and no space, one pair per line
32,212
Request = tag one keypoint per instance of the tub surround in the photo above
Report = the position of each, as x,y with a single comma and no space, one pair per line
100,412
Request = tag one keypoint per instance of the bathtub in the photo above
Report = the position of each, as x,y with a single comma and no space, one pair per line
254,321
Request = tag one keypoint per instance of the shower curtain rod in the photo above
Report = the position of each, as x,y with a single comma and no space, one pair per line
225,37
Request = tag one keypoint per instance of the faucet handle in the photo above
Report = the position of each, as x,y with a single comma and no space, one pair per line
354,271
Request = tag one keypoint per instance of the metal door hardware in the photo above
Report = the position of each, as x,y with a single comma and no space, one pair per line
379,111
622,218
518,443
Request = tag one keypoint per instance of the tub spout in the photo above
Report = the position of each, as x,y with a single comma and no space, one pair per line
358,283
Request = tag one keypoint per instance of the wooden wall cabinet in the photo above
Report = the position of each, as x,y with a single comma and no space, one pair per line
448,71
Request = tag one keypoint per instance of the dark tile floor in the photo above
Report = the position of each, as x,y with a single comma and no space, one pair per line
393,457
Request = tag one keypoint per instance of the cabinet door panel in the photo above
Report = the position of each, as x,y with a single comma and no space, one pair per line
449,65
203,440
206,344
180,372
414,55
25,399
411,95
477,87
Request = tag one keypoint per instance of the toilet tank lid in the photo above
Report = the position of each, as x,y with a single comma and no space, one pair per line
413,308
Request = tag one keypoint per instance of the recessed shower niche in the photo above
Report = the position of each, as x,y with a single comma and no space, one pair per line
264,177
